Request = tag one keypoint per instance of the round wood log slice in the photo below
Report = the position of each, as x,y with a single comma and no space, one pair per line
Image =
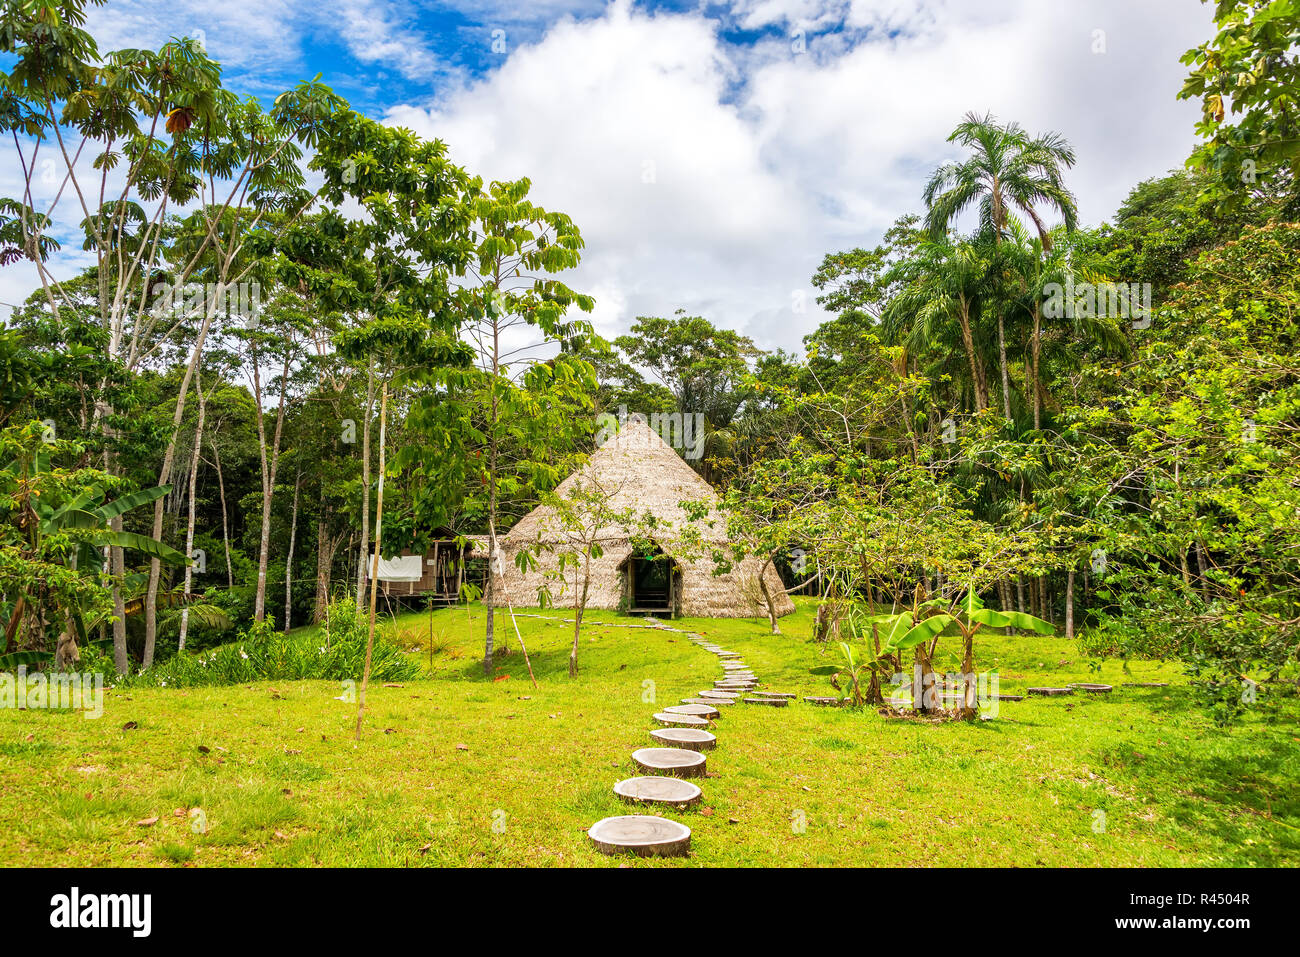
824,702
777,694
681,720
735,681
773,702
734,666
689,738
1010,697
659,790
675,761
1050,692
715,693
728,655
707,702
1092,688
699,710
641,834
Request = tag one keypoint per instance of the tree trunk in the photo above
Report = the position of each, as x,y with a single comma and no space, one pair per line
268,485
768,598
923,690
1069,605
288,562
189,520
155,566
365,481
225,521
976,366
121,658
324,561
66,655
374,566
969,703
1035,349
577,617
1002,359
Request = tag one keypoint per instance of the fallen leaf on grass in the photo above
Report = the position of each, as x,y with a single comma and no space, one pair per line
147,822
393,684
462,747
129,726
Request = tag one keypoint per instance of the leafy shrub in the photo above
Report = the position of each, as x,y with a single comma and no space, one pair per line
335,653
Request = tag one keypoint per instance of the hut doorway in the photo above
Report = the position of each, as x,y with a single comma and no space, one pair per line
651,584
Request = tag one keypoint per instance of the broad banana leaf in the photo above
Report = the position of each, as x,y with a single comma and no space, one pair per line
144,496
142,543
924,630
1012,619
16,658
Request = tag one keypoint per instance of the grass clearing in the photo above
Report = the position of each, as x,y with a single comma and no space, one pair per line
458,770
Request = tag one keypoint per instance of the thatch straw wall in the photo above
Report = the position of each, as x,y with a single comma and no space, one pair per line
640,471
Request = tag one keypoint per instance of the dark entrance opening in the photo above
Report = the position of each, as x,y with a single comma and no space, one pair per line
651,580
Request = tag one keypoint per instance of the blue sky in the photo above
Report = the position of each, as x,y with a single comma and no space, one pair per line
713,153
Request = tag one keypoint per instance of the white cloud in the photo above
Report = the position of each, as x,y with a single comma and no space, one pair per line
762,161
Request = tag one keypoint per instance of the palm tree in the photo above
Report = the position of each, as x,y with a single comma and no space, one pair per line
1007,170
942,282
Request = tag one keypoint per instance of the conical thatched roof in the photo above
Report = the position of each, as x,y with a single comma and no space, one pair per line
640,471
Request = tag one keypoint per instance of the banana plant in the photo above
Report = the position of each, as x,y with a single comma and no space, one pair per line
64,533
972,615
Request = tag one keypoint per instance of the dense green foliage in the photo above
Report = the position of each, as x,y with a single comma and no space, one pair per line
1008,416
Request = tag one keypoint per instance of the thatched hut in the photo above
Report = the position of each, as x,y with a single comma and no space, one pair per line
663,573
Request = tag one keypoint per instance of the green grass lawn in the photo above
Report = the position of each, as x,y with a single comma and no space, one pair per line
455,769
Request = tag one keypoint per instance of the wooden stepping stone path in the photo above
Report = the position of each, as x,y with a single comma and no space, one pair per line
734,666
1010,697
1050,692
641,834
675,761
659,790
688,738
824,702
1092,688
715,693
699,710
777,694
707,702
773,702
681,720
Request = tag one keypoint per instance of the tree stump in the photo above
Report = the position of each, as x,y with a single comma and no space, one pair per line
641,834
699,710
681,720
675,761
689,738
659,790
